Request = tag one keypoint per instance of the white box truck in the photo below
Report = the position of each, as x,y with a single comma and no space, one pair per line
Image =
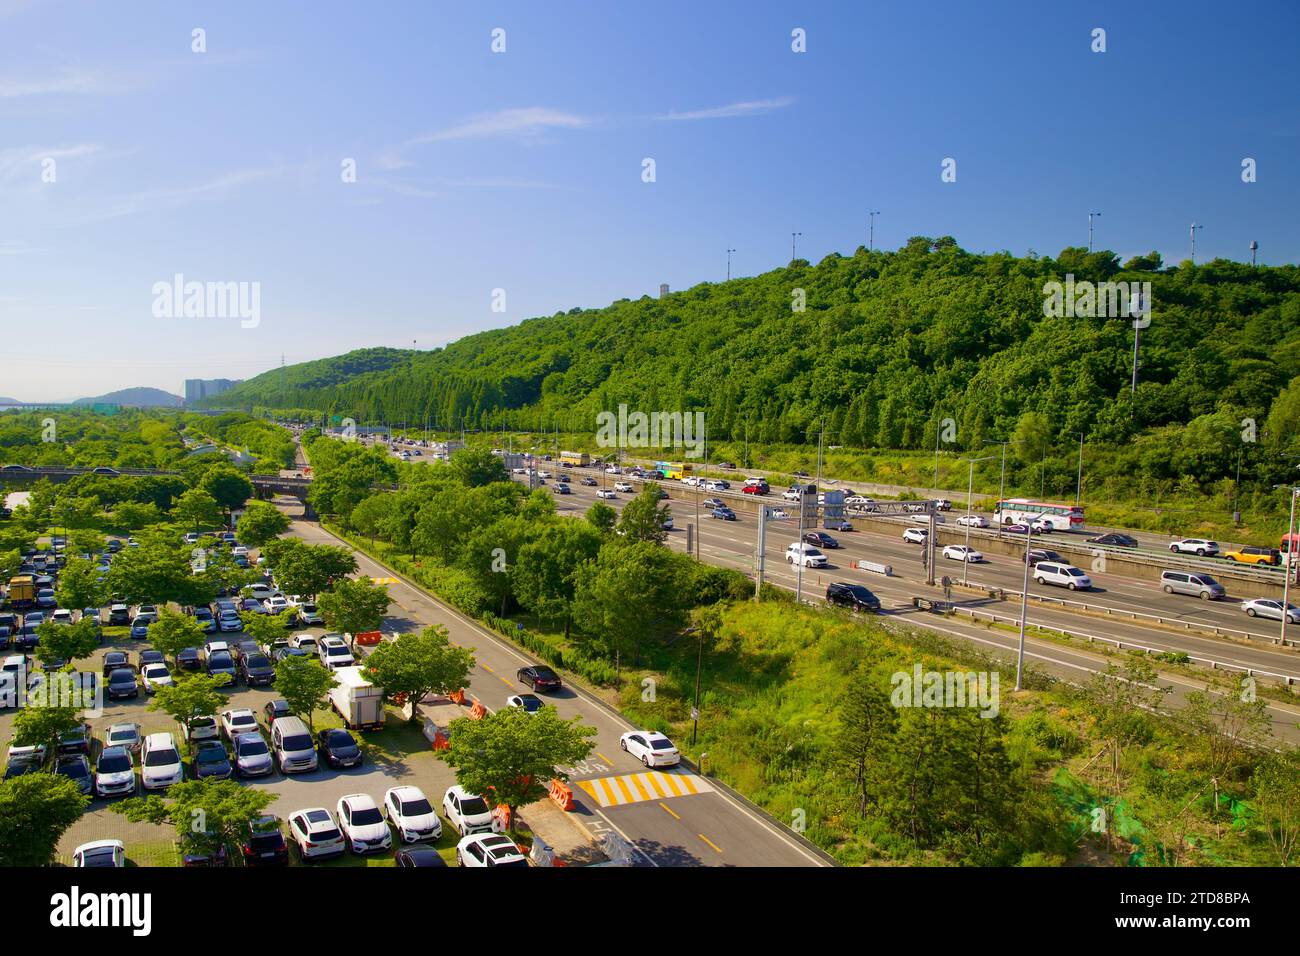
359,702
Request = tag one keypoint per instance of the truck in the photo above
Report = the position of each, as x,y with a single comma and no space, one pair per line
22,590
359,702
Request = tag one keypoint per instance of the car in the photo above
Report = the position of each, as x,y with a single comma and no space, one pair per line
1248,555
837,524
652,748
1190,582
277,604
754,489
238,720
304,642
488,849
316,835
205,618
962,552
338,748
467,812
209,760
1062,575
256,670
280,653
820,539
561,489
1272,609
805,555
24,759
292,746
858,500
723,514
122,684
221,662
252,755
1115,540
528,703
605,493
114,660
334,652
915,535
1201,547
252,606
114,773
362,824
76,767
273,710
204,727
418,856
188,659
973,521
229,621
154,676
589,481
1017,528
124,734
149,656
792,494
119,615
160,762
1037,555
45,598
717,484
309,616
263,844
61,616
856,597
100,853
75,741
539,677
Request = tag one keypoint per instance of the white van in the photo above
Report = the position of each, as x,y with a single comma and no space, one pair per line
1062,575
292,745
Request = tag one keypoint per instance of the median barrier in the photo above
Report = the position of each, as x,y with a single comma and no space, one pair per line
873,566
562,794
458,697
478,711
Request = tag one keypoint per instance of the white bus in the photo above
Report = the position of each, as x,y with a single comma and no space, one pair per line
1023,510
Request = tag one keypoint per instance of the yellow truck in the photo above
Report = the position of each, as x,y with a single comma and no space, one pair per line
22,590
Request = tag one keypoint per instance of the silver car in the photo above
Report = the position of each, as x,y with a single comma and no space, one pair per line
252,757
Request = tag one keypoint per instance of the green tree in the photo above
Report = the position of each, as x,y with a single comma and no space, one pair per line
173,633
602,517
416,665
197,510
304,683
630,593
36,809
474,467
66,642
312,568
261,522
1276,782
266,629
546,573
511,756
354,606
225,807
190,696
79,585
643,517
862,741
44,725
156,572
228,486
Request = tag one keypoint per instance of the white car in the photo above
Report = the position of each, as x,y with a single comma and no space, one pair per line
362,824
961,552
304,642
858,500
100,853
791,495
489,849
528,703
114,773
61,616
155,676
212,647
1200,547
467,812
1042,524
1062,575
316,834
623,486
605,493
717,484
410,812
915,535
276,605
974,521
238,721
612,470
1272,609
650,747
334,653
160,762
123,735
309,616
777,514
805,554
691,480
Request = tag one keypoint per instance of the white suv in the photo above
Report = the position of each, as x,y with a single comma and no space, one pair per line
806,555
623,486
160,762
1197,546
334,652
1062,575
915,535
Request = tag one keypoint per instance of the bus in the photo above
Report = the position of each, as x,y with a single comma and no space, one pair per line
1023,510
579,458
669,470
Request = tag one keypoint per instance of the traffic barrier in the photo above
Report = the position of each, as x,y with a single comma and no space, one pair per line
440,740
458,697
874,567
369,638
501,813
562,794
478,711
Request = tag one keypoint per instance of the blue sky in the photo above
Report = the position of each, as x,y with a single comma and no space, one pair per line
522,170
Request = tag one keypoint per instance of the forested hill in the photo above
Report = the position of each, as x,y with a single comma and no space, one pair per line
889,342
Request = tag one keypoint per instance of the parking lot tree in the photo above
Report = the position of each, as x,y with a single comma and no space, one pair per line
260,523
228,486
11,560
135,516
602,517
311,568
418,664
75,512
190,696
36,809
474,467
43,725
510,756
197,510
207,814
265,628
156,572
643,517
354,606
173,632
304,683
87,541
66,642
220,572
79,585
545,574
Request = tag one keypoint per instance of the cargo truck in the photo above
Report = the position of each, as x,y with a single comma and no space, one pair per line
22,590
359,702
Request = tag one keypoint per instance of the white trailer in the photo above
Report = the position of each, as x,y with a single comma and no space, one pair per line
359,702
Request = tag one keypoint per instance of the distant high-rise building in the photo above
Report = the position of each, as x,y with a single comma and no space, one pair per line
663,290
199,388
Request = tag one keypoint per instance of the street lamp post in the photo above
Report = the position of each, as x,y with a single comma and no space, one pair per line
1090,215
729,252
793,237
970,489
1078,487
1024,609
1286,581
871,238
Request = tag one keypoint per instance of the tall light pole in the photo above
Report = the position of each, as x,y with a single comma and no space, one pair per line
1078,487
729,252
1090,215
970,489
1192,232
1254,247
871,235
793,237
1024,608
1286,581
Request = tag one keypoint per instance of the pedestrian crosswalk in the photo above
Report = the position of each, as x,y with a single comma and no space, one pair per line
384,580
636,787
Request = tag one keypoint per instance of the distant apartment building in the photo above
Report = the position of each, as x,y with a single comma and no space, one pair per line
200,388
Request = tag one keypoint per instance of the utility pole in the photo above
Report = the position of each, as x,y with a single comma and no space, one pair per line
729,252
1192,231
871,235
1024,610
970,489
1254,247
793,237
1078,487
1090,215
938,422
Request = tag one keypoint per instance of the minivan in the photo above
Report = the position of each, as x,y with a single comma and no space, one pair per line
1187,582
292,745
1062,575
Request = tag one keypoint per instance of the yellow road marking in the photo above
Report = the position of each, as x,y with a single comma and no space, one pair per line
710,842
488,669
669,809
636,782
604,758
504,681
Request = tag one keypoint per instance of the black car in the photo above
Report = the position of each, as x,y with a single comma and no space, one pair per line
76,741
255,670
122,684
9,619
245,646
539,677
1043,554
853,596
338,748
26,638
264,845
76,767
19,764
187,659
114,545
821,539
210,760
149,657
412,856
114,660
724,514
119,615
1115,540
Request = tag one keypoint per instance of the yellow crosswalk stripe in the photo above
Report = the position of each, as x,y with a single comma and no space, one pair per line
639,787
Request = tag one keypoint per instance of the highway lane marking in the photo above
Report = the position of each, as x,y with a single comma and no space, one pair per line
488,668
710,843
641,787
604,758
670,810
504,681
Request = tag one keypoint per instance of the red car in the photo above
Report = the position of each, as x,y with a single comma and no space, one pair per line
755,489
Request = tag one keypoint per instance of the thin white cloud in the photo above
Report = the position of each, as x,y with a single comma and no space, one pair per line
732,110
70,81
26,160
528,121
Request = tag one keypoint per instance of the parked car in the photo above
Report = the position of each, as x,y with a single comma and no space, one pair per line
309,616
273,710
188,659
100,854
334,652
338,748
236,721
467,812
652,748
75,741
256,670
264,843
119,615
154,676
76,767
114,773
362,824
252,755
115,660
489,849
160,762
292,745
209,759
316,834
221,662
122,684
409,857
